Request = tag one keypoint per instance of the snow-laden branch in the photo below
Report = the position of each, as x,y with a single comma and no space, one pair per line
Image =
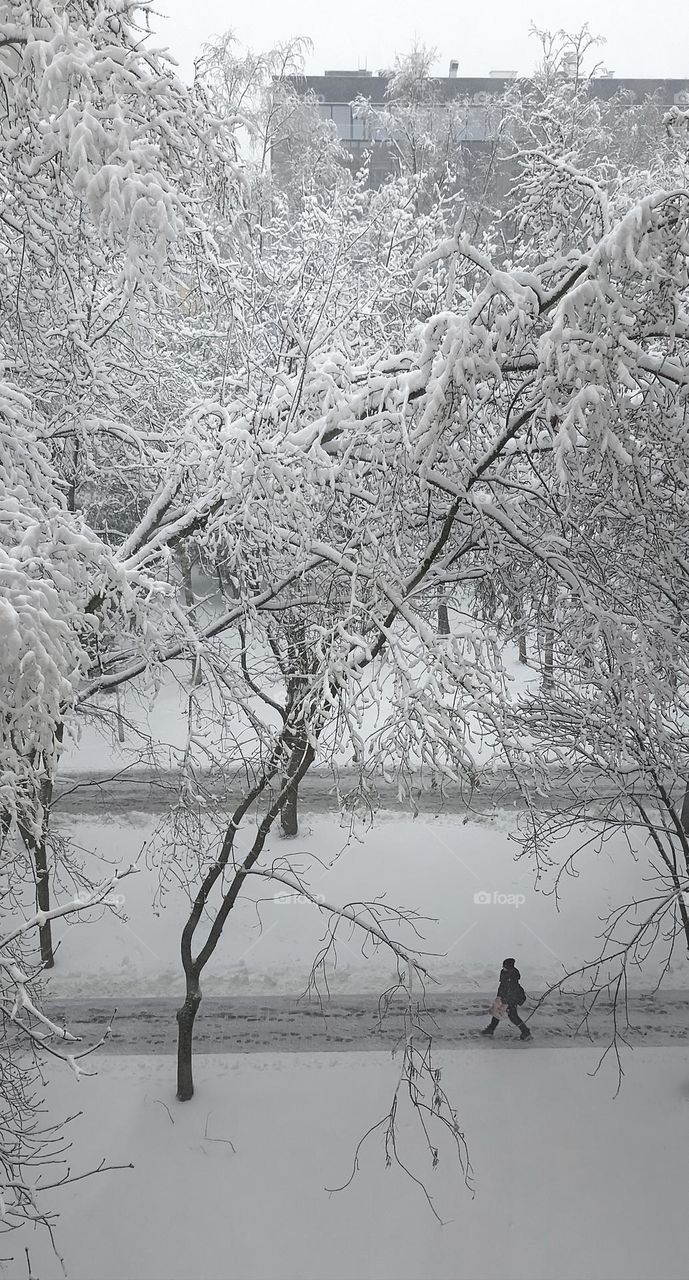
358,914
16,1001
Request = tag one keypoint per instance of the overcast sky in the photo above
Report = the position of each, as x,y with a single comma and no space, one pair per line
643,37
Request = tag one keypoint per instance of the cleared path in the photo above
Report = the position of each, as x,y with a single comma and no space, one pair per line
283,1025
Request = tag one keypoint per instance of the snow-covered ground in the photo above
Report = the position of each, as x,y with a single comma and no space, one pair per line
461,873
566,1175
443,868
569,1183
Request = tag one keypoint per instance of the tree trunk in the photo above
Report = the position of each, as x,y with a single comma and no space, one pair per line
289,813
548,660
549,644
185,563
71,469
43,898
523,655
188,586
185,1037
682,894
120,721
295,739
443,618
38,850
684,817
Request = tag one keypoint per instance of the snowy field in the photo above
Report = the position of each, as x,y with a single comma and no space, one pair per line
443,868
150,720
569,1183
480,903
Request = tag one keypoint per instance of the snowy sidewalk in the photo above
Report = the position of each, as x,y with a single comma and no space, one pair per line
284,1025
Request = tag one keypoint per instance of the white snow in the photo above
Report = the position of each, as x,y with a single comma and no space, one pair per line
569,1184
436,866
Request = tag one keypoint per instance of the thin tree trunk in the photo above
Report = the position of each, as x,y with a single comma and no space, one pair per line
194,967
190,601
443,618
549,644
523,655
289,813
185,1039
120,721
188,586
38,850
548,660
682,895
43,899
295,739
71,466
684,816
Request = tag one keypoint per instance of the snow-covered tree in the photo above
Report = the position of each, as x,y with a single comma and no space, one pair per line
347,461
107,161
35,1148
540,406
425,126
277,126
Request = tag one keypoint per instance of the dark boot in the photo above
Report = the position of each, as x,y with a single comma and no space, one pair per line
513,1015
488,1031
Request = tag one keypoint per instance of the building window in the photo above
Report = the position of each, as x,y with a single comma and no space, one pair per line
341,113
476,125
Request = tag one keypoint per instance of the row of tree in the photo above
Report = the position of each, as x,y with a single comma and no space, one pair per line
354,408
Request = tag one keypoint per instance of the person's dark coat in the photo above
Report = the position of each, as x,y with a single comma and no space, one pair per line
510,989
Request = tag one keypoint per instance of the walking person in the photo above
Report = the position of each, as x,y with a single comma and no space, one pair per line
510,995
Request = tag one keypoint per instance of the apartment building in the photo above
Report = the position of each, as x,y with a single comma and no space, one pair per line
335,91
